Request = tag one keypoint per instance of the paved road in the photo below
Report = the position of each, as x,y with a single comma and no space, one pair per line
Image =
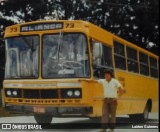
125,127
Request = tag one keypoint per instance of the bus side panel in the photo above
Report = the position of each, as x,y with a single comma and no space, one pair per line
155,106
97,99
138,90
87,92
130,106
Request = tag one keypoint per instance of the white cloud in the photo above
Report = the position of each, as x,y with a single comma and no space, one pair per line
127,25
150,45
156,26
135,27
132,17
142,39
107,14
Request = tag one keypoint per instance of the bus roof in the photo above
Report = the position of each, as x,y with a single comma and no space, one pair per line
92,30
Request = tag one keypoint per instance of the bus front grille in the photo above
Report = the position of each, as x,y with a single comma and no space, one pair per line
40,94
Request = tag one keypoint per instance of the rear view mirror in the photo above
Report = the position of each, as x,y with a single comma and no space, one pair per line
97,51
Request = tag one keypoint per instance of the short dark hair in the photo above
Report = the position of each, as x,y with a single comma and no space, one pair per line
108,71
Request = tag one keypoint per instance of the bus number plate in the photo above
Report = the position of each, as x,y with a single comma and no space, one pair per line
39,109
69,25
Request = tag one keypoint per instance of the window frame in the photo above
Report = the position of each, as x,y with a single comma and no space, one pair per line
39,52
87,45
144,64
100,67
153,68
104,44
137,61
119,55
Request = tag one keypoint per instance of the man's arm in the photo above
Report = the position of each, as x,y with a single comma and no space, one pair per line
99,81
121,90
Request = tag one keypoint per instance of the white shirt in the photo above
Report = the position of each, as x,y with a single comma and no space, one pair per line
110,88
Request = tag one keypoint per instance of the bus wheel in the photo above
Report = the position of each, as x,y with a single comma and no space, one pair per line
141,117
40,118
145,114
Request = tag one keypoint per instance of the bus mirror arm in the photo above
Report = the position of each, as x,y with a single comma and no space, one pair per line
87,80
27,42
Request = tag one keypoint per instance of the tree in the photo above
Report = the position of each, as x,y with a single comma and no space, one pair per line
136,21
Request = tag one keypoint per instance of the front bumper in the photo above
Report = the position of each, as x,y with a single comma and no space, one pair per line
50,110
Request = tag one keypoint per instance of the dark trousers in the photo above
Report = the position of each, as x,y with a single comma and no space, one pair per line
109,113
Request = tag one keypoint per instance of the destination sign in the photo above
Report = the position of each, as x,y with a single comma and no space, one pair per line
42,26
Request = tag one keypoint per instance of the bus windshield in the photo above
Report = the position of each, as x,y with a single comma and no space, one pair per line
65,55
22,57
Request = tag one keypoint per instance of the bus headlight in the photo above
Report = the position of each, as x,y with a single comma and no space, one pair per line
8,92
77,93
14,93
69,93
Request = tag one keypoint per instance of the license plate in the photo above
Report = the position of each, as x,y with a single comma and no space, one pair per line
39,109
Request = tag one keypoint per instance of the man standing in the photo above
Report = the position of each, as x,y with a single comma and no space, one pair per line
111,86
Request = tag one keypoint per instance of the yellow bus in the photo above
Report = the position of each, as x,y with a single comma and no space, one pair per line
52,67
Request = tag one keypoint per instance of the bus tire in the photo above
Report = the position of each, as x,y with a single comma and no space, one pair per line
141,117
43,119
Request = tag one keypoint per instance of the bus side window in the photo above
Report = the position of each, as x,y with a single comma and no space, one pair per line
132,60
153,67
102,58
119,56
107,57
144,66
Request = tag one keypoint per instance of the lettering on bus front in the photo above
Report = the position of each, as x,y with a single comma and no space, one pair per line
39,27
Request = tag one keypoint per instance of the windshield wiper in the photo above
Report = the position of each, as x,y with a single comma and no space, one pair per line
27,42
28,77
12,77
22,77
